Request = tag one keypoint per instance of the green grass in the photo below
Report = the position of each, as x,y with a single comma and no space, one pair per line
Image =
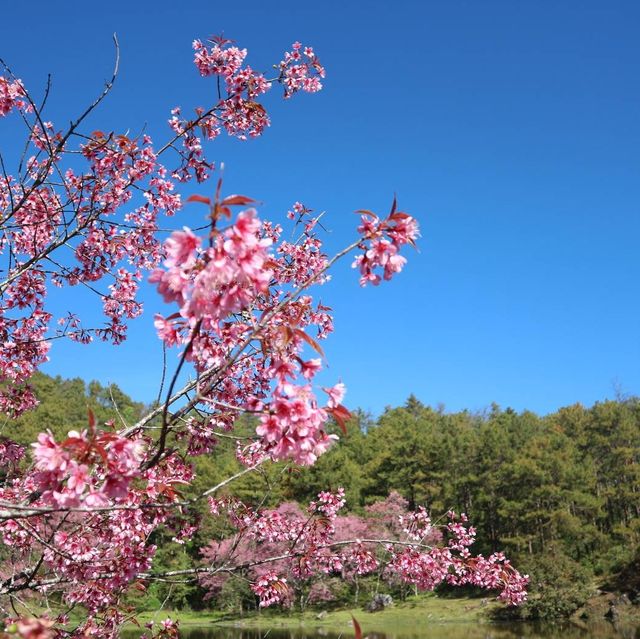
185,617
402,618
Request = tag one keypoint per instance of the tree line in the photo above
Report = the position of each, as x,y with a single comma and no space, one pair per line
559,493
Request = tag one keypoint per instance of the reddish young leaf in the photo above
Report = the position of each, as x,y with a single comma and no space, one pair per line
219,210
92,421
118,240
356,627
285,333
398,216
255,106
105,437
199,198
102,452
270,264
263,348
366,212
309,340
394,205
324,520
234,200
72,442
341,415
220,40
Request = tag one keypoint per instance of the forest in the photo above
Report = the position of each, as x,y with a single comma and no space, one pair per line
559,493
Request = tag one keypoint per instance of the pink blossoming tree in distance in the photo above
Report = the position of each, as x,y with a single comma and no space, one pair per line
90,209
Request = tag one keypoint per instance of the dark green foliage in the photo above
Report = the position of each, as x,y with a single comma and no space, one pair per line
236,596
558,586
627,575
64,405
175,594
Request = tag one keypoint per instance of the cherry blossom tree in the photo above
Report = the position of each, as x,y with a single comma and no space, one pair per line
284,552
91,209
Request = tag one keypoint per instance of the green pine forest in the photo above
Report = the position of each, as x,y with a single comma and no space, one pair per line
559,493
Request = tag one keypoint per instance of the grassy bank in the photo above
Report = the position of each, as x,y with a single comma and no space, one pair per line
400,618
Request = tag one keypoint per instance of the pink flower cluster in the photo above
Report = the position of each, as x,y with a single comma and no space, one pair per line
301,547
99,546
166,629
227,296
105,554
239,112
220,59
328,503
300,70
294,426
461,536
91,469
23,347
416,525
34,628
11,453
36,222
75,218
302,261
270,589
11,94
494,573
383,240
287,530
453,563
223,280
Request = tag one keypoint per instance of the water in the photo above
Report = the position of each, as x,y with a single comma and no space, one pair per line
508,630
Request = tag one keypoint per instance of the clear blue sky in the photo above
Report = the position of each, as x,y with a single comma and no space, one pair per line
510,129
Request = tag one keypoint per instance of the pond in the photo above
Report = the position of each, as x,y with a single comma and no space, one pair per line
507,630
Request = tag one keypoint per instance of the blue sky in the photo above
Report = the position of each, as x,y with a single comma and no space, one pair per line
509,129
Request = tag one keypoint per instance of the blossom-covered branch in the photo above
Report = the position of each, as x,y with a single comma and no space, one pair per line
79,515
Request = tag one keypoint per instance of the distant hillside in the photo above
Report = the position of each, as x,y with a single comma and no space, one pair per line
63,407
